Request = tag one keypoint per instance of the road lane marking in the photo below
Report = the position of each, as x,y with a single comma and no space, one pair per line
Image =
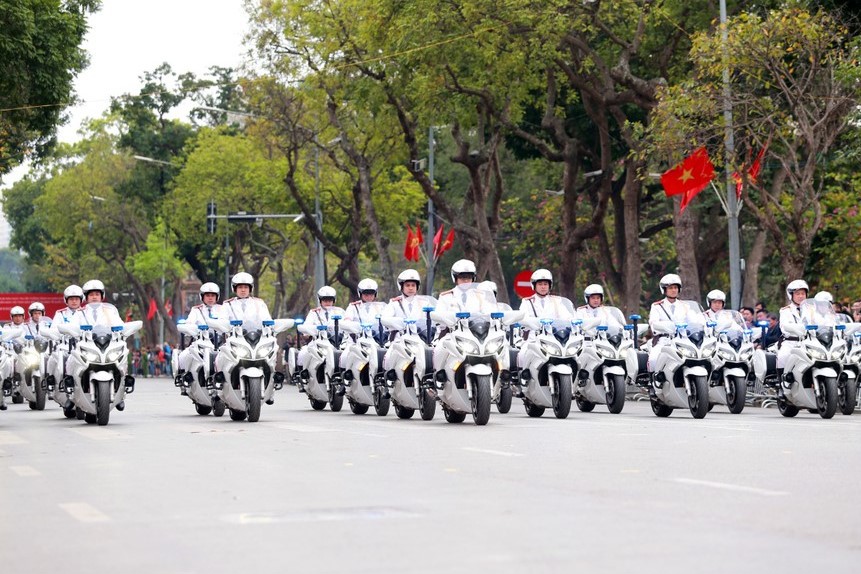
24,470
97,433
83,512
491,451
730,487
7,437
321,515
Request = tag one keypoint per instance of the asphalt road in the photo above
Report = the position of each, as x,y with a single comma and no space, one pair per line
163,490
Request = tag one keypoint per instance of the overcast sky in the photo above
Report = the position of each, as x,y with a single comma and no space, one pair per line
126,39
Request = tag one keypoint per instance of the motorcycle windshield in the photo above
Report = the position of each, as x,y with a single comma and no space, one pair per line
818,313
696,334
479,326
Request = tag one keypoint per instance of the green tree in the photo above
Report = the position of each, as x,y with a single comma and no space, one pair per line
40,56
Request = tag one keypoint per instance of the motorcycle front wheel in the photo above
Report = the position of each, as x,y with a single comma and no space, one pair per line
39,403
532,409
846,397
381,403
253,390
616,396
427,405
103,402
562,397
503,403
336,401
452,416
202,410
827,402
481,400
698,400
661,410
735,398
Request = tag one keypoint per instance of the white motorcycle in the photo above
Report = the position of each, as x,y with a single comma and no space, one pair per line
7,365
603,362
548,361
29,380
245,375
322,385
682,370
408,367
467,379
197,381
55,371
731,363
847,385
359,362
97,369
812,369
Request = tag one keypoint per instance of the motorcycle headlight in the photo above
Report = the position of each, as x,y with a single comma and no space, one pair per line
494,346
708,349
90,356
551,348
816,353
467,346
263,351
241,351
746,353
114,355
573,348
606,352
686,351
726,354
837,353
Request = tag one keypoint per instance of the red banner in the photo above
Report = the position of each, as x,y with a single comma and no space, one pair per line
53,302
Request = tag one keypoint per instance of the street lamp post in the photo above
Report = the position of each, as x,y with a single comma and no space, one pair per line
731,199
319,271
431,230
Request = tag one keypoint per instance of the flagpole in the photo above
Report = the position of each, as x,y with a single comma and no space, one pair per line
731,199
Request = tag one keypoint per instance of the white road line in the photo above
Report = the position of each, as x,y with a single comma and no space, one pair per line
299,427
99,433
83,512
25,470
731,487
490,451
7,437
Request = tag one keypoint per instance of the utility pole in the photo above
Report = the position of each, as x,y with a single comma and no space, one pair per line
731,199
319,269
429,237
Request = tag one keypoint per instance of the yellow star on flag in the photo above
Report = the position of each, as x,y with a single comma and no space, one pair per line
686,175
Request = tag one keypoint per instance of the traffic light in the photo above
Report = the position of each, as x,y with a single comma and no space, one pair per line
210,217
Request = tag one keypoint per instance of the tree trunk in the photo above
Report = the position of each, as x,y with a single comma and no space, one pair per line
686,241
753,261
631,266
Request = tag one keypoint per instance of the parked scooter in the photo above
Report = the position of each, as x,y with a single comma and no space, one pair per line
359,362
97,369
603,362
731,363
29,379
548,361
198,380
245,366
683,368
812,369
408,365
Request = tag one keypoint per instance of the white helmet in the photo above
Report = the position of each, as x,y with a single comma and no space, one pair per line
670,279
73,291
795,286
462,267
366,285
715,295
242,278
824,296
593,289
93,285
541,275
326,292
209,287
409,275
36,306
16,310
489,286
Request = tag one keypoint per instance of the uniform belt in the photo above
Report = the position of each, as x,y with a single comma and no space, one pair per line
791,339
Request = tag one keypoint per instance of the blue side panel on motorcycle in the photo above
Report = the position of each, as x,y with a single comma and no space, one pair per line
497,315
603,327
235,322
268,323
116,328
577,322
462,315
711,324
811,327
428,309
840,327
629,327
409,321
748,332
29,337
86,327
322,327
367,326
681,326
203,327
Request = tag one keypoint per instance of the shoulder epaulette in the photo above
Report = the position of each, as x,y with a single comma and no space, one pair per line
398,298
356,303
582,307
450,291
787,307
658,302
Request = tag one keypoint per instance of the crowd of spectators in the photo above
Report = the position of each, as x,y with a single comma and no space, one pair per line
152,361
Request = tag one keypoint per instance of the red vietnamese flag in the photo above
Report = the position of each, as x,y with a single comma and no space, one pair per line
689,177
169,308
446,245
752,172
408,246
153,309
436,241
419,241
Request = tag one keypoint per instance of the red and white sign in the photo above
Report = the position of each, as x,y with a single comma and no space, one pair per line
523,285
53,302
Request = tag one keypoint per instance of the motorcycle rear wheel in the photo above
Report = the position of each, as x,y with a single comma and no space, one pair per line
616,396
336,401
427,404
562,399
828,402
381,403
203,410
318,405
584,405
846,397
358,408
785,408
735,399
218,408
404,412
698,400
661,410
237,415
70,413
532,410
452,416
103,402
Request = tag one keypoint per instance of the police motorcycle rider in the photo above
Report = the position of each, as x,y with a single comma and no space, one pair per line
409,304
73,295
716,300
542,304
244,307
96,312
37,321
367,309
322,314
204,314
796,293
16,314
669,309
